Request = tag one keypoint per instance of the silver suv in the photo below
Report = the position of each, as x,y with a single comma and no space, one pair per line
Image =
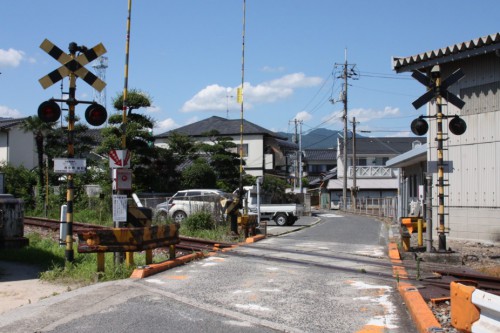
186,202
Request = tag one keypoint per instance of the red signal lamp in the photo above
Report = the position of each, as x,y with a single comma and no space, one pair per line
96,114
49,111
419,126
457,126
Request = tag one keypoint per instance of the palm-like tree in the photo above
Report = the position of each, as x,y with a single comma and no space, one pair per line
39,129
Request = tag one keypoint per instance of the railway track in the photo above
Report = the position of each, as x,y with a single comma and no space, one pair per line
187,244
433,280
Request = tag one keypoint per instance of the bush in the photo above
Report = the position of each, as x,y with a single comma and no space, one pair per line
199,221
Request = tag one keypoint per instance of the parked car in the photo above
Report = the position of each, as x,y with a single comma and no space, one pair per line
184,203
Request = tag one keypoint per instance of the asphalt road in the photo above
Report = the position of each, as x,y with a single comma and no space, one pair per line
329,275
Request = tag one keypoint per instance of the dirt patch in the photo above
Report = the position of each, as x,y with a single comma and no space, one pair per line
482,257
20,285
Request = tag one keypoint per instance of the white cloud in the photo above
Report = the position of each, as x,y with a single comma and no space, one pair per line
217,98
304,116
362,115
366,115
211,98
269,69
7,112
164,125
12,58
153,109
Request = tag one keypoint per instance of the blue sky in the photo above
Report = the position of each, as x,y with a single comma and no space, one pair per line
187,55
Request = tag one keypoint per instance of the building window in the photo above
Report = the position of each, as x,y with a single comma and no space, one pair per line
236,150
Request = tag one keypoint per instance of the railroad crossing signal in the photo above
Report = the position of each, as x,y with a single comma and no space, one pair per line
435,90
438,89
49,111
72,65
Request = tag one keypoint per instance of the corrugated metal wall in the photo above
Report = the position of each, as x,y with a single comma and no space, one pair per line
473,201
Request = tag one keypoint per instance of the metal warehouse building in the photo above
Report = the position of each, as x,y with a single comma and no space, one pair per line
472,181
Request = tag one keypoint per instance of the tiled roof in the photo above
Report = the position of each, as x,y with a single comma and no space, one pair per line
223,126
467,49
320,155
383,145
6,123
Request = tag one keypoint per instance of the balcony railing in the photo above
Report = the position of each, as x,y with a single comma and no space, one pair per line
371,172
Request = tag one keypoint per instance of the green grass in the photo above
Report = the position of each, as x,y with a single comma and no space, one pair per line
50,257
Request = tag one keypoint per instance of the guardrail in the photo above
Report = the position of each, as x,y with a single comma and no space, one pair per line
474,310
128,240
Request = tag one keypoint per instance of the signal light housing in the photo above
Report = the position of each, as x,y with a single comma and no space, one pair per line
96,114
457,125
419,126
49,111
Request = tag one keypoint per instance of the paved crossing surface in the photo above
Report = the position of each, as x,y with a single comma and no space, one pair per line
330,275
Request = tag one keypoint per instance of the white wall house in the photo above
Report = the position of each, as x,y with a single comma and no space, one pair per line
472,191
373,178
16,146
264,151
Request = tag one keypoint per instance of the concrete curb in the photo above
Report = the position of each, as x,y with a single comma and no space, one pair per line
151,269
421,314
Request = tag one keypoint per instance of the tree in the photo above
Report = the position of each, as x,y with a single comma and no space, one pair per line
138,138
19,181
136,99
39,129
274,188
223,160
198,175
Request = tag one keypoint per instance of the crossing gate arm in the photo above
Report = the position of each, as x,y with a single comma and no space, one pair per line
128,239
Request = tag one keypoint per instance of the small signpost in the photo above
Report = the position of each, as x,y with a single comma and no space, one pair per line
70,165
119,207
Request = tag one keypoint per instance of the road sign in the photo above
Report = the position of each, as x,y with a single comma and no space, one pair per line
122,179
434,90
119,208
70,165
119,159
72,65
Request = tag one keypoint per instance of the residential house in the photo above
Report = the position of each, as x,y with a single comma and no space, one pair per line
374,180
319,166
264,151
318,162
17,147
472,191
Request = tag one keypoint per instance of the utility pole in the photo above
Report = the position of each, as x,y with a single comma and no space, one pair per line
297,139
354,188
348,72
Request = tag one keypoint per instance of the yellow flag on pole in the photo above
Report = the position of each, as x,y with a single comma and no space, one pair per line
239,96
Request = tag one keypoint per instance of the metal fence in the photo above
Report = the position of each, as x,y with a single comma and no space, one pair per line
379,207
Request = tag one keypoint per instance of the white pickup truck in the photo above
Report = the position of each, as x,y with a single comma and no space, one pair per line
281,214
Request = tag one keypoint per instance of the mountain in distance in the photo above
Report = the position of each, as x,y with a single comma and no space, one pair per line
320,138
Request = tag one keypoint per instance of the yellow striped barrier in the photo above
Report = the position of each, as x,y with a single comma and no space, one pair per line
130,240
